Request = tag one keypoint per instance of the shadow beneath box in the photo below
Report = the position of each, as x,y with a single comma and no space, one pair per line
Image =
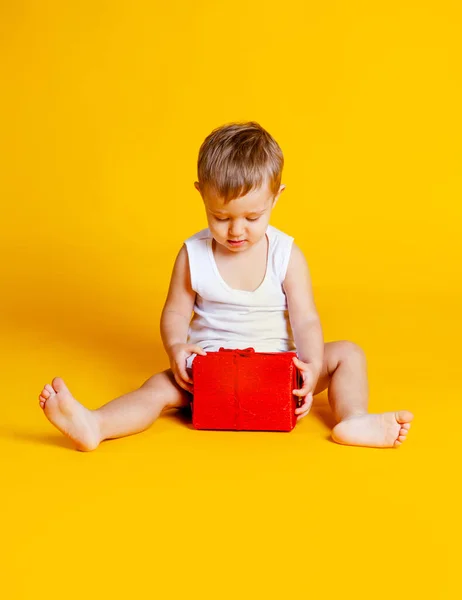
183,415
320,410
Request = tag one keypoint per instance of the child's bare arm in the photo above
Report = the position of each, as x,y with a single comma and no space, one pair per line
304,318
175,319
178,307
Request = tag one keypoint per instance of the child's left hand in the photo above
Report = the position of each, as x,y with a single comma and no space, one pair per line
306,392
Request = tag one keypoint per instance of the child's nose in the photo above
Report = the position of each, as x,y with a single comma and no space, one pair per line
236,229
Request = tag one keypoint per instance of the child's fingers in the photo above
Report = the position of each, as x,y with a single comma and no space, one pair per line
298,363
307,402
302,392
198,350
303,410
182,383
184,374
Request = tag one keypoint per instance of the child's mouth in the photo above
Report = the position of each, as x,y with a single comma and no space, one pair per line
237,243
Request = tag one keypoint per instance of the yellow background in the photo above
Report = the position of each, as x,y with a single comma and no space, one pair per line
104,106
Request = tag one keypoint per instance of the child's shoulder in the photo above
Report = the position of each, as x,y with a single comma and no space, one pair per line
278,233
203,234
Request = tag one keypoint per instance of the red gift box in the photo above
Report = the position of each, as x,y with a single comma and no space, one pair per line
245,390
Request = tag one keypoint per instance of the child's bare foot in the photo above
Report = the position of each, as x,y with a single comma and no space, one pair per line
385,430
69,416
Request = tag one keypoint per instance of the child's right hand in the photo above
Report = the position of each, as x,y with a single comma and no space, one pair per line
178,353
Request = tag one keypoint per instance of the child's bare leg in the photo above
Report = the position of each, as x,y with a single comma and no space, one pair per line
131,413
345,374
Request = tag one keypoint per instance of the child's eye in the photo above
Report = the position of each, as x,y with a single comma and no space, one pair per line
255,219
220,219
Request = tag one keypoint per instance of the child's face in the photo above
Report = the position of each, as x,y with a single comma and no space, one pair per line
242,222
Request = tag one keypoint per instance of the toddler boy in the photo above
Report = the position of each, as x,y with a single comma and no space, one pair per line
247,285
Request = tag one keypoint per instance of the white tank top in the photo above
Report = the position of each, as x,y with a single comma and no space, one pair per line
230,318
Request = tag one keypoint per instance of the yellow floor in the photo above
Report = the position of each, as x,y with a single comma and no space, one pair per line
175,512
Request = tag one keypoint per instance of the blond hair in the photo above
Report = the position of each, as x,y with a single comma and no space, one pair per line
236,158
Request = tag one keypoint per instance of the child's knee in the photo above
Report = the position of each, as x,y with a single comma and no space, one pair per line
166,391
351,351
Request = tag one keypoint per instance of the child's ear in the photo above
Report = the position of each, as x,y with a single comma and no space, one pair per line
196,185
276,198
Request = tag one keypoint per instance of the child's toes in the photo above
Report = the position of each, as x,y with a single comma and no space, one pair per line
49,389
45,393
403,431
401,438
406,426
